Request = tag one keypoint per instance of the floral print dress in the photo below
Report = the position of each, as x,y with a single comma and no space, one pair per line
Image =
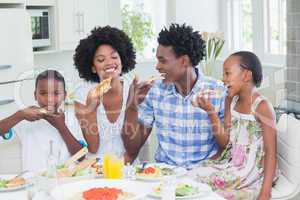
238,172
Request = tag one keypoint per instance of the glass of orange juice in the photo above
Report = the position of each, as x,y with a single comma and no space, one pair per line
113,166
116,166
106,164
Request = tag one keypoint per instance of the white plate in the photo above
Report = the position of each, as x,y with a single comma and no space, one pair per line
10,189
204,190
179,171
68,179
67,191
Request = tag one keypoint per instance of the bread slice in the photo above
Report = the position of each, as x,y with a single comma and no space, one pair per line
156,77
103,86
82,152
15,182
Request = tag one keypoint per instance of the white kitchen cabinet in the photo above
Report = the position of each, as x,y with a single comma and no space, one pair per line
16,63
16,45
14,96
76,18
12,1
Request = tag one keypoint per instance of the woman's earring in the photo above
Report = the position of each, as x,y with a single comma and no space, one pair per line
94,70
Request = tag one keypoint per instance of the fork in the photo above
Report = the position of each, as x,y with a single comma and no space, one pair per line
20,174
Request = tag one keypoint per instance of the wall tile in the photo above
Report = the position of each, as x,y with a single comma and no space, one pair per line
293,51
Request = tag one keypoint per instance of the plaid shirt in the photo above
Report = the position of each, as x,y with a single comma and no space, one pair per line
183,131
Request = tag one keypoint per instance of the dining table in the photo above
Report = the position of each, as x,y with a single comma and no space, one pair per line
22,194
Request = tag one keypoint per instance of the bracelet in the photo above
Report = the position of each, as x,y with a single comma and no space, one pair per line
82,143
8,135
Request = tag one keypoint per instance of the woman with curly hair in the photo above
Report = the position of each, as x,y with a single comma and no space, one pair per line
105,54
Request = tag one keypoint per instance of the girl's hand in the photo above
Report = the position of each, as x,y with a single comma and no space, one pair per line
263,196
32,113
203,101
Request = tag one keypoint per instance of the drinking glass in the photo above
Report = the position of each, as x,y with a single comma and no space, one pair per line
113,166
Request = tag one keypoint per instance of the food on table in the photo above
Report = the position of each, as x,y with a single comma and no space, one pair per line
98,168
14,182
113,167
154,171
103,193
103,86
182,190
80,169
82,152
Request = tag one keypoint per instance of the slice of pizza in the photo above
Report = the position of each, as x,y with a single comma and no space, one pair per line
48,110
103,86
206,93
156,77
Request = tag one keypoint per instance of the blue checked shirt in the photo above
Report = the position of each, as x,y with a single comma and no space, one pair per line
183,131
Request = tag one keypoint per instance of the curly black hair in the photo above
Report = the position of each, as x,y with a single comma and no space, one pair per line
184,41
85,51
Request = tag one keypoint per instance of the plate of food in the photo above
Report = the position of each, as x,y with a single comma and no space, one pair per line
12,184
107,189
157,171
185,189
71,169
79,171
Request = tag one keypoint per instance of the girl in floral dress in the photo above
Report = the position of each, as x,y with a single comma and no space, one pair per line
246,167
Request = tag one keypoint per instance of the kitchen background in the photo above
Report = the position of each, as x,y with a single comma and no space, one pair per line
26,49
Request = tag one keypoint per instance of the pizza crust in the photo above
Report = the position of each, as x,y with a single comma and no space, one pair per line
103,86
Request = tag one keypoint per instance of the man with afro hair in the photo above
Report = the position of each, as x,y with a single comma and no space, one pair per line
184,132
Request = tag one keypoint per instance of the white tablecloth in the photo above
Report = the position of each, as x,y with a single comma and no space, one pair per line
22,194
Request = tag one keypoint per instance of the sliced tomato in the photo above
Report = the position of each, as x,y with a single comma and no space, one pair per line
104,193
149,170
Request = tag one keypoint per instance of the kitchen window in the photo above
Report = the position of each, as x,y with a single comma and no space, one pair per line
153,12
256,25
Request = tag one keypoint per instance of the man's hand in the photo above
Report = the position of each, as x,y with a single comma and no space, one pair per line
138,91
57,120
32,113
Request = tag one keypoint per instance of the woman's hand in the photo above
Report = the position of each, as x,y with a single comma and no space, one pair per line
93,99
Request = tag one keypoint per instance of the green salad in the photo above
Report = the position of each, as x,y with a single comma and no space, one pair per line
3,183
182,190
186,190
81,172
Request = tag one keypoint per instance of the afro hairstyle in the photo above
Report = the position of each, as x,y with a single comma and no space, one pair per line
85,51
184,41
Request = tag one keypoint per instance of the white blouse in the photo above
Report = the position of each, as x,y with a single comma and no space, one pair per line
109,133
